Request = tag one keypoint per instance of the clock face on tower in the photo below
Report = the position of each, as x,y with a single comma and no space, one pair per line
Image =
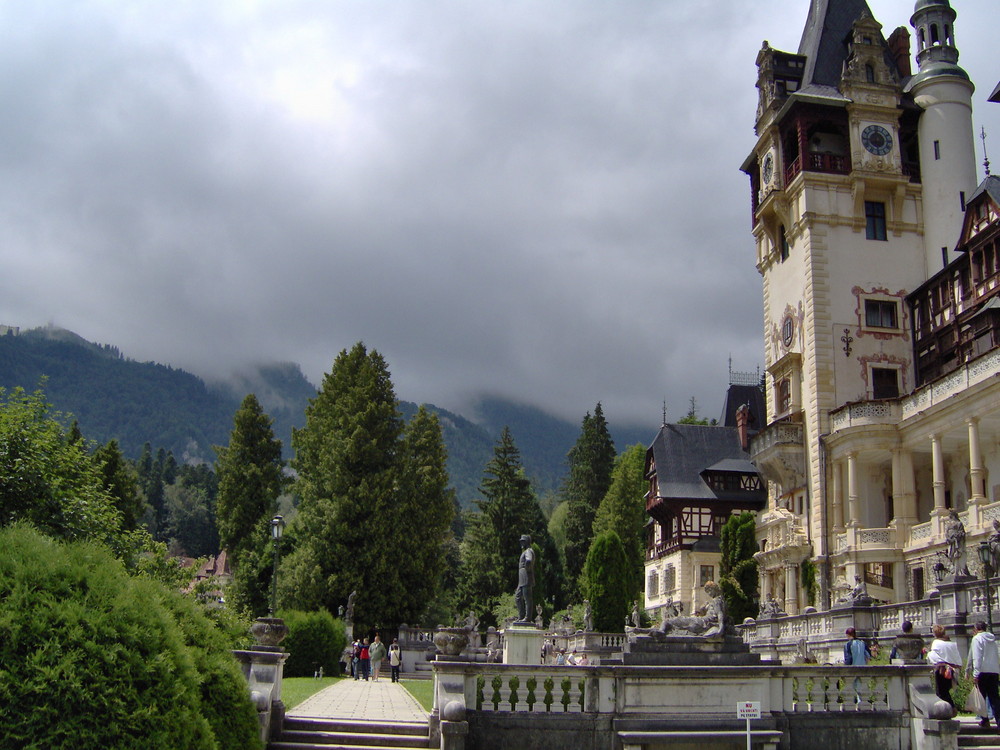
876,139
767,168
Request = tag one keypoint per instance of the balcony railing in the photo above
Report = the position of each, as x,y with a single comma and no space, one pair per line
864,413
775,434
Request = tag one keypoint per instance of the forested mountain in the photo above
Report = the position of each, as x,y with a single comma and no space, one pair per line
112,396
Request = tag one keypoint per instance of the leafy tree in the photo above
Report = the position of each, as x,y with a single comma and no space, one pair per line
121,482
738,569
189,521
250,479
591,461
315,639
48,479
605,582
491,547
623,510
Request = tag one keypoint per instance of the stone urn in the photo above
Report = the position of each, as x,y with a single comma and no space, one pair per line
269,631
451,641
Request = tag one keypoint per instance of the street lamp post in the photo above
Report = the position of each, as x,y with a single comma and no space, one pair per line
986,558
277,527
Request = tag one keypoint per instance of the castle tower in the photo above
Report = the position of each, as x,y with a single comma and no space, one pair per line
945,134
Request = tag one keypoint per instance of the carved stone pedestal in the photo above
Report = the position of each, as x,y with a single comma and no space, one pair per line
522,644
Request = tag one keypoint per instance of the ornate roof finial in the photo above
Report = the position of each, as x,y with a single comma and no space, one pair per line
664,413
986,159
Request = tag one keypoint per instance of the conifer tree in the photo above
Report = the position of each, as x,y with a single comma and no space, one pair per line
121,482
491,547
623,510
418,527
350,481
250,476
605,582
591,461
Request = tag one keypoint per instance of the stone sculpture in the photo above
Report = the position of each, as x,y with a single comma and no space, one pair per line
524,595
588,617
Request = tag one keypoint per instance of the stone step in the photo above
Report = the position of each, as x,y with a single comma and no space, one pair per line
973,737
301,733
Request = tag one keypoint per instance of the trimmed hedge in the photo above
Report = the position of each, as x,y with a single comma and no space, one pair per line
314,639
91,657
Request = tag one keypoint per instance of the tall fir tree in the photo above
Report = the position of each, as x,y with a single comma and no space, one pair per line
351,478
605,582
623,510
250,479
419,524
491,547
591,461
120,481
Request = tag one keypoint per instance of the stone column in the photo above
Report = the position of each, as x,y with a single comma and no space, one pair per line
791,589
838,498
976,464
940,512
853,499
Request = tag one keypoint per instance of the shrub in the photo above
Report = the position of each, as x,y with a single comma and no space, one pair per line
92,657
605,581
314,639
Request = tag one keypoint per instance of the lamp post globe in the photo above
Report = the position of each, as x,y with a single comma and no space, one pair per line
277,528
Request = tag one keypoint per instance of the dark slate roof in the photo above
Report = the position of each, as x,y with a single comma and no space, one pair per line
824,39
752,396
740,465
683,451
990,186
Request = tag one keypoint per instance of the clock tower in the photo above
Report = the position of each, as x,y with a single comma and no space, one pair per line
854,156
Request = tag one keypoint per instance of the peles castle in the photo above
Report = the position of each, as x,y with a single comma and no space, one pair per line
879,252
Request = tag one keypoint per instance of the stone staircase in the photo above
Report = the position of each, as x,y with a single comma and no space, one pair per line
301,733
972,737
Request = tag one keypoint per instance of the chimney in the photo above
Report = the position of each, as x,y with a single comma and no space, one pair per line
899,48
743,426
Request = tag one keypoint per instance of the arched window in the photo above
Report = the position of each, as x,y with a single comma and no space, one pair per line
921,38
869,74
935,38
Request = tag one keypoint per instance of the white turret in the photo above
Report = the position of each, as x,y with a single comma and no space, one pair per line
945,136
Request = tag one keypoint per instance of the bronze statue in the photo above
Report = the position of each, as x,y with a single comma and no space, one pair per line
524,596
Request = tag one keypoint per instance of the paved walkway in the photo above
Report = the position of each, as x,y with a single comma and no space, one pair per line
358,700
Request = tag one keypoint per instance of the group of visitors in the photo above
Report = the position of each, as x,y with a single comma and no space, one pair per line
983,666
572,660
366,661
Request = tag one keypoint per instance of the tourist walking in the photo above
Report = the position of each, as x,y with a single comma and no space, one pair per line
984,662
376,653
356,660
395,660
366,664
945,658
856,651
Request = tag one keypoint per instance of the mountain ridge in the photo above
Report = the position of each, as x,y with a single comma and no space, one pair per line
113,396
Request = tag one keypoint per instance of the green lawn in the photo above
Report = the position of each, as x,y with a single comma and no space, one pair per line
422,690
294,690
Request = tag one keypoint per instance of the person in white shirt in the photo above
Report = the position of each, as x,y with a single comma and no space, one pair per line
984,661
945,658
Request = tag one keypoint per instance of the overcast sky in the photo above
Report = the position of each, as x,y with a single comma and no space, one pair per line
539,199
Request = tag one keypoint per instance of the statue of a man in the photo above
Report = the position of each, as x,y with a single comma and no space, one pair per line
524,596
588,617
350,606
954,534
994,542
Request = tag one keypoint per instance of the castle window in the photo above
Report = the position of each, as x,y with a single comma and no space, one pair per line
937,150
875,220
783,244
706,573
880,314
669,579
885,382
653,584
783,395
869,74
935,38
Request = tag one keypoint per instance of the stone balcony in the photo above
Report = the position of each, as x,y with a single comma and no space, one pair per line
779,452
